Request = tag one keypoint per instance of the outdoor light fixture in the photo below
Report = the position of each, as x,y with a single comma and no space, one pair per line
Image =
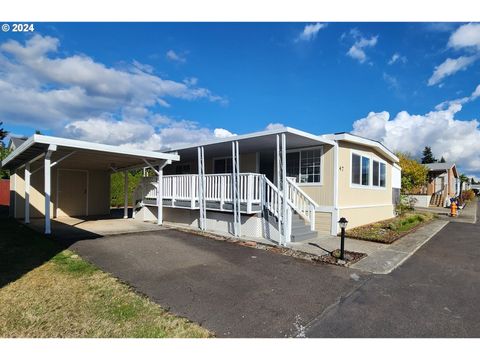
343,225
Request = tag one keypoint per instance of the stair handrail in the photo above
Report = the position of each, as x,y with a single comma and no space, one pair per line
303,204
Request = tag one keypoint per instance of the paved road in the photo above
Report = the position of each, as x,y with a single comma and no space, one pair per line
231,290
242,292
433,294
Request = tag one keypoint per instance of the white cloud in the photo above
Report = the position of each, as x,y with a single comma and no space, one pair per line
456,140
172,55
466,36
450,67
274,126
396,57
445,104
391,80
141,134
222,133
357,50
41,88
310,31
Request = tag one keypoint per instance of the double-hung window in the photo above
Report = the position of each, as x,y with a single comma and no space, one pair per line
305,165
360,170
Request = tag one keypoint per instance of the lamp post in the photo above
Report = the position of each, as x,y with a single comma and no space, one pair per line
343,225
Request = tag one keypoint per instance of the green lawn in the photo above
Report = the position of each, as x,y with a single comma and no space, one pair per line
47,291
388,231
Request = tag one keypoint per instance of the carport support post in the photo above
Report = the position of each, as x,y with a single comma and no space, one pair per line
125,209
27,193
160,195
48,186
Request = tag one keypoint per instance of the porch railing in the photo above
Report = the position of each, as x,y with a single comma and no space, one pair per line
255,189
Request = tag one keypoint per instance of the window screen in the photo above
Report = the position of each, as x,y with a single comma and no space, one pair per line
376,177
365,171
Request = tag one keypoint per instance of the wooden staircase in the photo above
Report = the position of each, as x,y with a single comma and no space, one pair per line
438,199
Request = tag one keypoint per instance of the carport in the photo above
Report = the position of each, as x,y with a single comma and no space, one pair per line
58,177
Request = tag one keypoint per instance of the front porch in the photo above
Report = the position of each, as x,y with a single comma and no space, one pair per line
290,188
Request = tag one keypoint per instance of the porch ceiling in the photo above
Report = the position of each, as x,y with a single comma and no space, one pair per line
260,143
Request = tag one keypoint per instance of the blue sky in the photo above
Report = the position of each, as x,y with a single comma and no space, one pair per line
181,81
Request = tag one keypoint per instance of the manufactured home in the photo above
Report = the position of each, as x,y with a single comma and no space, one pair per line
283,185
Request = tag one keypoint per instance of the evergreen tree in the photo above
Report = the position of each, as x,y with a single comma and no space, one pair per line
428,157
3,134
442,160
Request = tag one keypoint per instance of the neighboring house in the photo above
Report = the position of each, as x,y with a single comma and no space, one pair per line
323,178
443,183
235,185
15,142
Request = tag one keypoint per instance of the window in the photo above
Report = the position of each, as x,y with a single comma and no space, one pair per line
379,173
182,169
305,165
376,173
356,169
383,174
360,170
365,171
222,166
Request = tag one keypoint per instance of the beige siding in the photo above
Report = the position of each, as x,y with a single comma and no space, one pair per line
98,193
362,216
323,222
349,195
362,205
323,194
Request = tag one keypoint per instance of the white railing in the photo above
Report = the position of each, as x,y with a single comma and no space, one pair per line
301,202
218,187
255,189
297,199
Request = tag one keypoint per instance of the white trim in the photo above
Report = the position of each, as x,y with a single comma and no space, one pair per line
319,138
27,178
367,142
334,225
363,206
84,145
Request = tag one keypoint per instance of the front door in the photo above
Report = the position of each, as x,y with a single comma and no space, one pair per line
72,193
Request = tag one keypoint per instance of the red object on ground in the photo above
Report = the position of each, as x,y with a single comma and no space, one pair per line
4,192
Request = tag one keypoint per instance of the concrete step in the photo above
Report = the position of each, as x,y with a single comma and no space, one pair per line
305,235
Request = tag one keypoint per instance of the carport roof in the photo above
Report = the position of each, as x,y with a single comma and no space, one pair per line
96,155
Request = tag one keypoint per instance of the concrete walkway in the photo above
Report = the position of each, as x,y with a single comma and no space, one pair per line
381,258
388,258
465,215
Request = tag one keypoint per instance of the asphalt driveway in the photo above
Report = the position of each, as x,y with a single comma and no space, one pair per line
231,290
236,291
433,294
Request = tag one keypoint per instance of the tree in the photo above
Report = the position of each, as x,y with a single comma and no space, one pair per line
442,160
414,174
4,174
463,180
428,157
3,134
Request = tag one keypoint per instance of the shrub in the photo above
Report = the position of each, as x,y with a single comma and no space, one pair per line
468,195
